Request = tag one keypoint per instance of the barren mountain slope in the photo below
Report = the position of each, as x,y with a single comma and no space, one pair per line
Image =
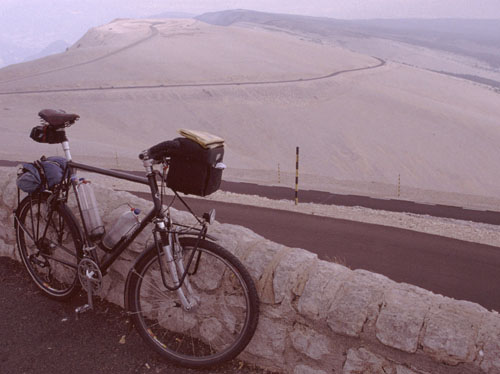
129,52
465,47
254,87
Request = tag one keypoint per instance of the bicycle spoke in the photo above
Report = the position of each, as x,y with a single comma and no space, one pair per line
74,266
212,314
194,348
155,288
216,327
49,248
65,249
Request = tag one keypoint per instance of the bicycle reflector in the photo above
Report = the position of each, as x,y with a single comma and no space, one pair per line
210,216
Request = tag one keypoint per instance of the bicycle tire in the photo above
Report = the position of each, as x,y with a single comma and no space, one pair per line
52,263
217,329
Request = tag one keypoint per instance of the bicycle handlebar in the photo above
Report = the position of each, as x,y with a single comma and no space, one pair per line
160,150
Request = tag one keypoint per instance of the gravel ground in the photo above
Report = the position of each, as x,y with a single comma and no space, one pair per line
41,336
54,342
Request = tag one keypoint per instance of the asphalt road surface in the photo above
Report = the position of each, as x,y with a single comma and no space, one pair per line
40,335
391,205
328,198
454,268
167,86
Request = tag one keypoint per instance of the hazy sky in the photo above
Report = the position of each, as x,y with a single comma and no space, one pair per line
35,22
329,8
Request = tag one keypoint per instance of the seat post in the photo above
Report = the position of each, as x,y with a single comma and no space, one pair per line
67,153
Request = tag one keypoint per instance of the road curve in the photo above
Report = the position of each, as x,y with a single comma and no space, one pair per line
213,84
454,268
457,269
329,198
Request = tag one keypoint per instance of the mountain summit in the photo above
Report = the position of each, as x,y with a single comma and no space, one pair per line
361,122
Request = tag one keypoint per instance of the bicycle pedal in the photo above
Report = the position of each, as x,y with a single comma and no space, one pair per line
82,309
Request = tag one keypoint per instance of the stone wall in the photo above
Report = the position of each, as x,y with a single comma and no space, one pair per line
319,317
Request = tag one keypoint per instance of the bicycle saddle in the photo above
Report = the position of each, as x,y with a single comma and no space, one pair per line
58,118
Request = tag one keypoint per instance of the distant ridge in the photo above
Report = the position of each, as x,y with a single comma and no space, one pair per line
58,46
172,15
468,37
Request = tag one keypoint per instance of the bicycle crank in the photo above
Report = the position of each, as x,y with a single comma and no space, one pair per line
91,280
90,275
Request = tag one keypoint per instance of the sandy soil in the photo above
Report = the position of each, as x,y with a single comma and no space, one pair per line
359,132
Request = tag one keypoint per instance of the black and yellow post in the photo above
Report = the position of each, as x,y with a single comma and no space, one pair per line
297,178
399,185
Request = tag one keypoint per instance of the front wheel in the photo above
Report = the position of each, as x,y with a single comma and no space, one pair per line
224,309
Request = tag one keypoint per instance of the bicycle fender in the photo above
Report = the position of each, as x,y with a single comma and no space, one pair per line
196,234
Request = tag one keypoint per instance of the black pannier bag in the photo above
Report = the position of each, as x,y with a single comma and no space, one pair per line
41,175
193,168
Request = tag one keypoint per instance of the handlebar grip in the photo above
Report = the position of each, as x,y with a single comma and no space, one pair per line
161,150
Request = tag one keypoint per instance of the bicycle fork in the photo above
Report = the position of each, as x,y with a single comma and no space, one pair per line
177,272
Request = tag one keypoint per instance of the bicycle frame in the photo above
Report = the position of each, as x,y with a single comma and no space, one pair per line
206,310
155,212
168,241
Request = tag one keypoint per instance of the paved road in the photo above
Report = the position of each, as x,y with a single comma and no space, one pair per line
47,344
391,205
156,86
451,267
328,198
454,268
40,336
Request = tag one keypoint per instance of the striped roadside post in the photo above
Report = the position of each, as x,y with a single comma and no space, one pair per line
399,185
297,178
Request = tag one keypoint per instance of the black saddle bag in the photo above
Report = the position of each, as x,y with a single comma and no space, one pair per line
193,168
48,134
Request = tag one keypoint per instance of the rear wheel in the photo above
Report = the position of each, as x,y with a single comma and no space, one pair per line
225,308
49,243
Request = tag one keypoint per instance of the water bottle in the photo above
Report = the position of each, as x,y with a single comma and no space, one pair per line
90,212
124,226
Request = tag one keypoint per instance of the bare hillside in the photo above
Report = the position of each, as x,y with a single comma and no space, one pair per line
359,122
468,48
